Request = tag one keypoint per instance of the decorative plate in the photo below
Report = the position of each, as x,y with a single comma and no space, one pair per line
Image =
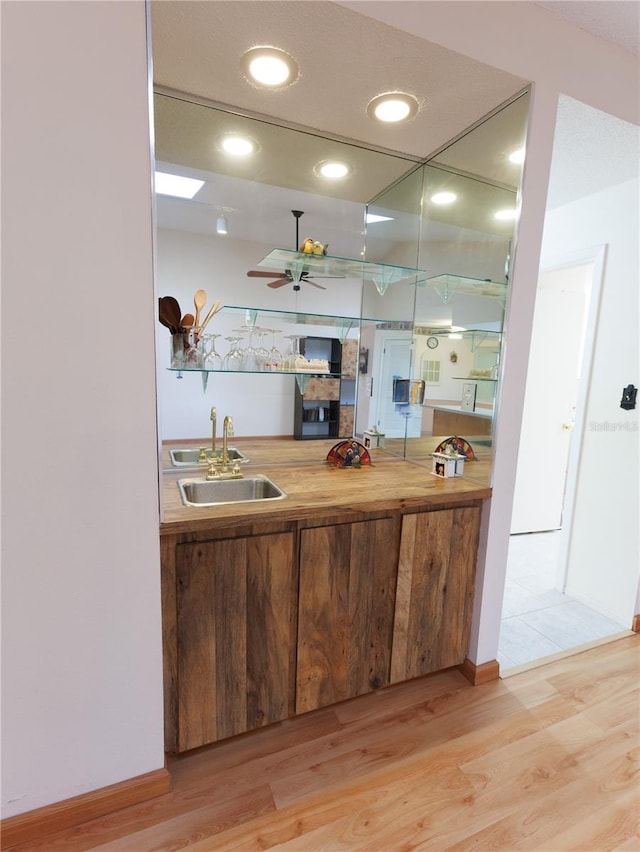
460,445
349,454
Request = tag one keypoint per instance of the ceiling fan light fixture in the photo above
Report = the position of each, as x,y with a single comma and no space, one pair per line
270,67
392,107
332,169
237,146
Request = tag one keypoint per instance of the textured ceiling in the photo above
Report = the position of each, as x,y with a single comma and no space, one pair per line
345,60
617,21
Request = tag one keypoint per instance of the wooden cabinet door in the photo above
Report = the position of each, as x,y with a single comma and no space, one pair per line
235,638
436,573
345,615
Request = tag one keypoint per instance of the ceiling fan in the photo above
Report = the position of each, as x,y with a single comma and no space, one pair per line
291,276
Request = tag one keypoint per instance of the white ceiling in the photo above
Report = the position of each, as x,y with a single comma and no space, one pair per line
197,48
617,21
345,60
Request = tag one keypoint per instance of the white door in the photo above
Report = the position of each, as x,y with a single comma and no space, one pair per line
551,395
394,362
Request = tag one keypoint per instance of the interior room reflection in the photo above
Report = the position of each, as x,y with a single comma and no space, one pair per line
415,274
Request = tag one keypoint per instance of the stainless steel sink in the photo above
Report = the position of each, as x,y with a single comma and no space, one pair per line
202,492
189,457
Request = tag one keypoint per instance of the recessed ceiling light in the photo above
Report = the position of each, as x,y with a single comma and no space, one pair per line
517,156
332,169
373,217
444,197
176,185
392,107
505,215
238,146
269,66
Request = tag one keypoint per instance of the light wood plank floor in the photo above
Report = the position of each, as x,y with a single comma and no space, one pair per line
546,760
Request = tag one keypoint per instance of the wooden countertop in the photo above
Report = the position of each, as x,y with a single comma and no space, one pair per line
312,486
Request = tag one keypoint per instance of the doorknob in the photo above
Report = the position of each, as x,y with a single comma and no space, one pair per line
567,427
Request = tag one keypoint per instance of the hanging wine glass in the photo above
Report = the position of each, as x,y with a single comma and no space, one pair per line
275,355
212,358
294,352
249,351
234,359
261,353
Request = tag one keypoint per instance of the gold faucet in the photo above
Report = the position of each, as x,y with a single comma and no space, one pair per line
214,418
227,430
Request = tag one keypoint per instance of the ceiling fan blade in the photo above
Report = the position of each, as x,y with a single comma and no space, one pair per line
280,282
326,276
313,284
260,273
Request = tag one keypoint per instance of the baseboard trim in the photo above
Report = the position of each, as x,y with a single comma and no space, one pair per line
30,826
484,673
635,624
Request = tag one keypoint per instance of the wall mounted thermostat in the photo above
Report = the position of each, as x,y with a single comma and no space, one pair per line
628,400
432,342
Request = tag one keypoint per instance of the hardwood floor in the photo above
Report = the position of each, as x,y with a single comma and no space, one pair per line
546,760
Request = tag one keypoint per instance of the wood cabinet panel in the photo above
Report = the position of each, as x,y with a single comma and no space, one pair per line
436,571
346,422
346,605
234,613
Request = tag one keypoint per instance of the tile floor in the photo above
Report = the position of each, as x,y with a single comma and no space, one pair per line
538,620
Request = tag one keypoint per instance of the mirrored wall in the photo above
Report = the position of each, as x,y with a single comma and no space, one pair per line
433,344
428,279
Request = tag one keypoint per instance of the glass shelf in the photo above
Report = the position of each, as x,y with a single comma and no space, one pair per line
447,286
308,373
473,379
249,317
298,263
477,336
426,331
303,377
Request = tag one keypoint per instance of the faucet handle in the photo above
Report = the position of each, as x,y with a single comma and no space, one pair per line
202,455
212,472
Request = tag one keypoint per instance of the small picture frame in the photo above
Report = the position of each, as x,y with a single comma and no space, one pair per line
469,390
363,360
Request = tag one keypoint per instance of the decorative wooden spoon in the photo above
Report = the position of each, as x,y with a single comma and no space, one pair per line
162,317
171,314
199,300
213,310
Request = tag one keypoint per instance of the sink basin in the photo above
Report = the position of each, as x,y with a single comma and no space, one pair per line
202,492
189,457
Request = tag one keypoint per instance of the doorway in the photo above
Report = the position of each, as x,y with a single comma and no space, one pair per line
539,618
393,361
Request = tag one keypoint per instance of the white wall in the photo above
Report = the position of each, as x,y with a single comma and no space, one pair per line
604,558
219,264
81,641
